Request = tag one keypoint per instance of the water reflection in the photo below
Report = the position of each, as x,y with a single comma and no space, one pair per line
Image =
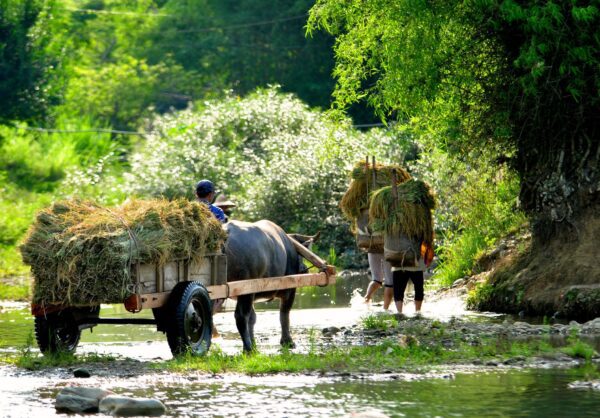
512,393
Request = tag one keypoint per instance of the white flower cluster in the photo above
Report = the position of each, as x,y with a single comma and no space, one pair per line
273,155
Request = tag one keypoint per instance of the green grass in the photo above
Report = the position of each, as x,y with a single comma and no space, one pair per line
579,349
389,355
28,359
460,257
481,293
380,322
17,289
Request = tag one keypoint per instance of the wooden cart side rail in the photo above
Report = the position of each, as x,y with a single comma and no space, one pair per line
138,302
244,287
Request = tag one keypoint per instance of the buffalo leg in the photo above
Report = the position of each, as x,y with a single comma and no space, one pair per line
251,323
287,300
243,311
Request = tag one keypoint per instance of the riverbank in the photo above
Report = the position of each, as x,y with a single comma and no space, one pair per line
381,343
559,278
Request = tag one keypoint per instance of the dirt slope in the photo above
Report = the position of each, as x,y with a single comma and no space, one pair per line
559,278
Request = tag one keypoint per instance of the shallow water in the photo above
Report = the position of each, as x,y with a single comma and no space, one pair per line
501,393
508,393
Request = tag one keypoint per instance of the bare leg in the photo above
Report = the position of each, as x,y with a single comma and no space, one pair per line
418,304
399,306
388,296
373,286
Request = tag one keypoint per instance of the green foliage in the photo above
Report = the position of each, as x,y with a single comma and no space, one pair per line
277,158
33,166
247,43
500,80
32,50
11,290
480,294
476,206
579,349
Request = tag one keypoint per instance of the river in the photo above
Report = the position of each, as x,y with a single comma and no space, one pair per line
500,392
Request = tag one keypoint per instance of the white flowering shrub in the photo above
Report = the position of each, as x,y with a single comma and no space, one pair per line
275,157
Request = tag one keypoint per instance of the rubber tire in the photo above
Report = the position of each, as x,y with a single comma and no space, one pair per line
57,332
191,330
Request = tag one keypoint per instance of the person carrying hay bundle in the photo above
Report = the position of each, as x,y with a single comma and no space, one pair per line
403,213
367,178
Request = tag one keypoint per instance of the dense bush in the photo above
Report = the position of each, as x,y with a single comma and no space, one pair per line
273,155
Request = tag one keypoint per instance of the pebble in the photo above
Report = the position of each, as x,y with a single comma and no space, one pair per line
81,372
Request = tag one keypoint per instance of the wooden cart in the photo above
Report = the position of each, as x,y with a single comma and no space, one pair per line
180,294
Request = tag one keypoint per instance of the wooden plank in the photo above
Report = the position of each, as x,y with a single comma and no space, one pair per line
245,287
242,287
308,254
152,300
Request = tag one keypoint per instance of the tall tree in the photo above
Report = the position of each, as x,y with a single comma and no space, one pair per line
508,80
249,43
31,58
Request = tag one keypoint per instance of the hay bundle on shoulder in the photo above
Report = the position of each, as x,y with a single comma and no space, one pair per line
81,253
405,218
366,180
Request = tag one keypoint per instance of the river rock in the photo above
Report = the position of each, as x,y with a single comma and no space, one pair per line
330,331
123,406
80,399
458,282
81,372
591,384
591,327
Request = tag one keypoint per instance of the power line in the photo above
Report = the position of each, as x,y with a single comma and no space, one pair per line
207,29
79,131
243,25
112,12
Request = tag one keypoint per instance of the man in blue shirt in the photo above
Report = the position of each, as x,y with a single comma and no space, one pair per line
205,192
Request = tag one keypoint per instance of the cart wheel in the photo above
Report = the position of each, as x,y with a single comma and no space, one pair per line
191,330
57,332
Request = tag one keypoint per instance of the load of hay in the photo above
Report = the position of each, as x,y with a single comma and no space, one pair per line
365,180
409,212
81,253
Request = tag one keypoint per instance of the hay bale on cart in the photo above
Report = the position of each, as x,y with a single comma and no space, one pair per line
82,255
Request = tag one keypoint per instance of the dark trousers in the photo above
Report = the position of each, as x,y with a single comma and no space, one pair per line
401,278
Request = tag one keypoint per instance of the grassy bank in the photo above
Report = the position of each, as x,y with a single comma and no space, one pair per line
421,346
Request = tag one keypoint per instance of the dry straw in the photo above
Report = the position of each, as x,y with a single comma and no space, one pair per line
409,213
81,253
364,182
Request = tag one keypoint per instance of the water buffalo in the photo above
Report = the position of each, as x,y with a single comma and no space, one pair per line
257,250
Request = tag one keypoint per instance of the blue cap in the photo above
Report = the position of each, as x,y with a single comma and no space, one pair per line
204,187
